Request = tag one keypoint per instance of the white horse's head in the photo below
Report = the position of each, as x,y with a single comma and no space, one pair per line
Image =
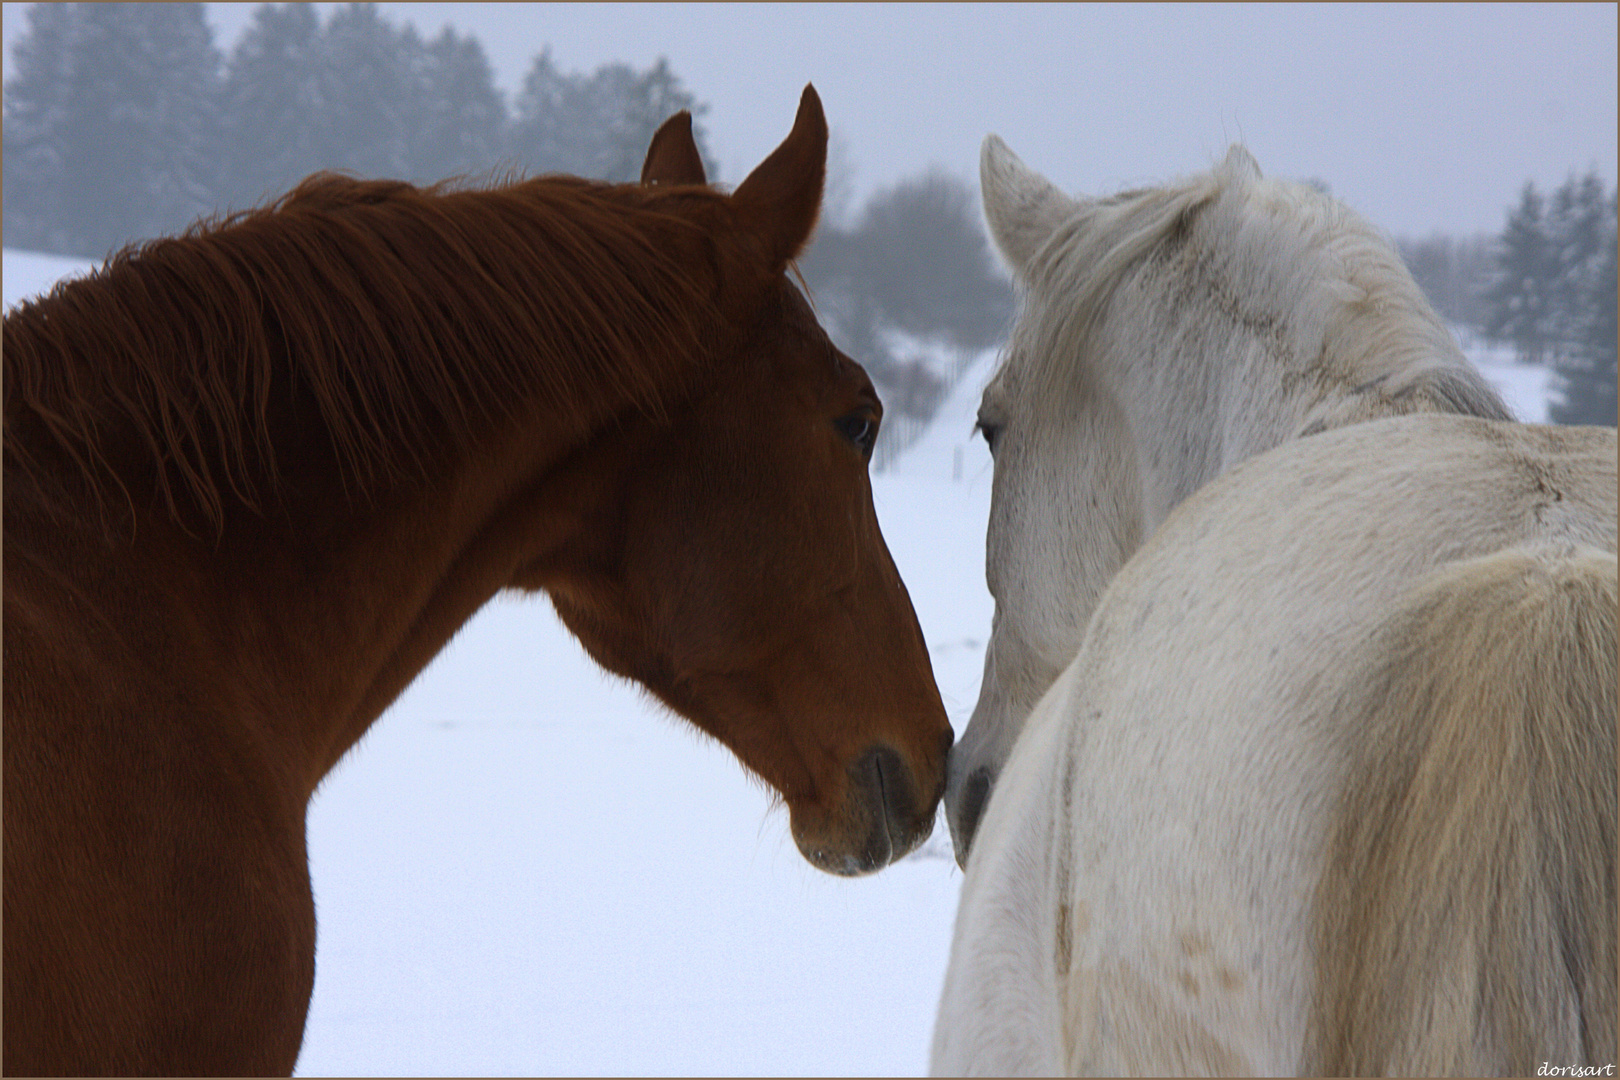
1164,335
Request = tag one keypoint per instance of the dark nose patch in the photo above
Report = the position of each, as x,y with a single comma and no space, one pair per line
886,775
887,789
975,794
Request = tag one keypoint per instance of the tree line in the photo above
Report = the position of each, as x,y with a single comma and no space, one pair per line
911,279
126,121
1545,285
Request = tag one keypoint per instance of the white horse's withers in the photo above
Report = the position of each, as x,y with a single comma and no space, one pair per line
1324,781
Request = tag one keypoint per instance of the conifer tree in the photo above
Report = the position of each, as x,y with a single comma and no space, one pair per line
123,122
367,94
101,133
137,128
635,106
917,261
597,125
36,102
541,138
183,69
460,129
1520,308
271,97
1453,273
1584,238
1554,296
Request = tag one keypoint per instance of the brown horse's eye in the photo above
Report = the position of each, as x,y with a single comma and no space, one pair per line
860,429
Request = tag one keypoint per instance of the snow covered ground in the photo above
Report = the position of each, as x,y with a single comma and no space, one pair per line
1526,387
527,868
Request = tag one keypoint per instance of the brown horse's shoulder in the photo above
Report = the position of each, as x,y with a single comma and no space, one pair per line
134,810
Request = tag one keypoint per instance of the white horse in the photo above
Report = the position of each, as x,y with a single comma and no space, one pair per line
1317,652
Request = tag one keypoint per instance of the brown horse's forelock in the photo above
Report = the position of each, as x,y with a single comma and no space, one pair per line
410,316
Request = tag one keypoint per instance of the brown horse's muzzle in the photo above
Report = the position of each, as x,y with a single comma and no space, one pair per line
885,814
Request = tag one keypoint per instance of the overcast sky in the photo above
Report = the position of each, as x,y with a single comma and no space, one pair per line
1425,118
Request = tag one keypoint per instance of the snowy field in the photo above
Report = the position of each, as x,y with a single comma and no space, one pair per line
527,868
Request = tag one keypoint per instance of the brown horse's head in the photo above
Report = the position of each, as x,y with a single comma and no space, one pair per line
736,568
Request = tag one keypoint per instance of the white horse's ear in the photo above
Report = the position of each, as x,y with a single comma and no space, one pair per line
1240,164
1021,206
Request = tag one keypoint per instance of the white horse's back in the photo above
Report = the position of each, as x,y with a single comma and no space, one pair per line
1466,922
1187,867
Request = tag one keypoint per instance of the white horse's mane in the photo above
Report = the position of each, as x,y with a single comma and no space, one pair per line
1299,263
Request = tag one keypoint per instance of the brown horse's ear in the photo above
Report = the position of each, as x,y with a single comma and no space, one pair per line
781,199
672,156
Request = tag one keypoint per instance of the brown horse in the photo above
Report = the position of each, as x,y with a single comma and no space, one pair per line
256,476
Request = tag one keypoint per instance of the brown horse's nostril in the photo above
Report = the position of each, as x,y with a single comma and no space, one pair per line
975,794
890,793
887,774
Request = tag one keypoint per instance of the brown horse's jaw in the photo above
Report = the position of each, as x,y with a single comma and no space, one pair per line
883,818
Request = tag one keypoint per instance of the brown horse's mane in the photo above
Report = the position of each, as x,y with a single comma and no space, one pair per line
411,317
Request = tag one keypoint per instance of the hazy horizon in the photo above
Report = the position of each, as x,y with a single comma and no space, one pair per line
1426,118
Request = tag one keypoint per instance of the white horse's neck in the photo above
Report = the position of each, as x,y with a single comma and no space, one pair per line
1166,336
1270,314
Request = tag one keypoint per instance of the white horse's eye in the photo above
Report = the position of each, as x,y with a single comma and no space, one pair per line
991,433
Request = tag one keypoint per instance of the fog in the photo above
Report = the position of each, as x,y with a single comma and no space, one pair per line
1424,117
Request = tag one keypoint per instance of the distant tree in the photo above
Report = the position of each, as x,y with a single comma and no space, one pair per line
916,263
911,277
540,134
598,125
459,128
122,121
922,250
1577,234
367,93
640,105
37,95
1519,305
915,389
1554,296
118,124
1454,273
850,311
182,166
1582,226
1587,376
103,134
271,95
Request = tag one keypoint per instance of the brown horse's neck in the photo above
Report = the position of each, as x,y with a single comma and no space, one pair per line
307,529
306,621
